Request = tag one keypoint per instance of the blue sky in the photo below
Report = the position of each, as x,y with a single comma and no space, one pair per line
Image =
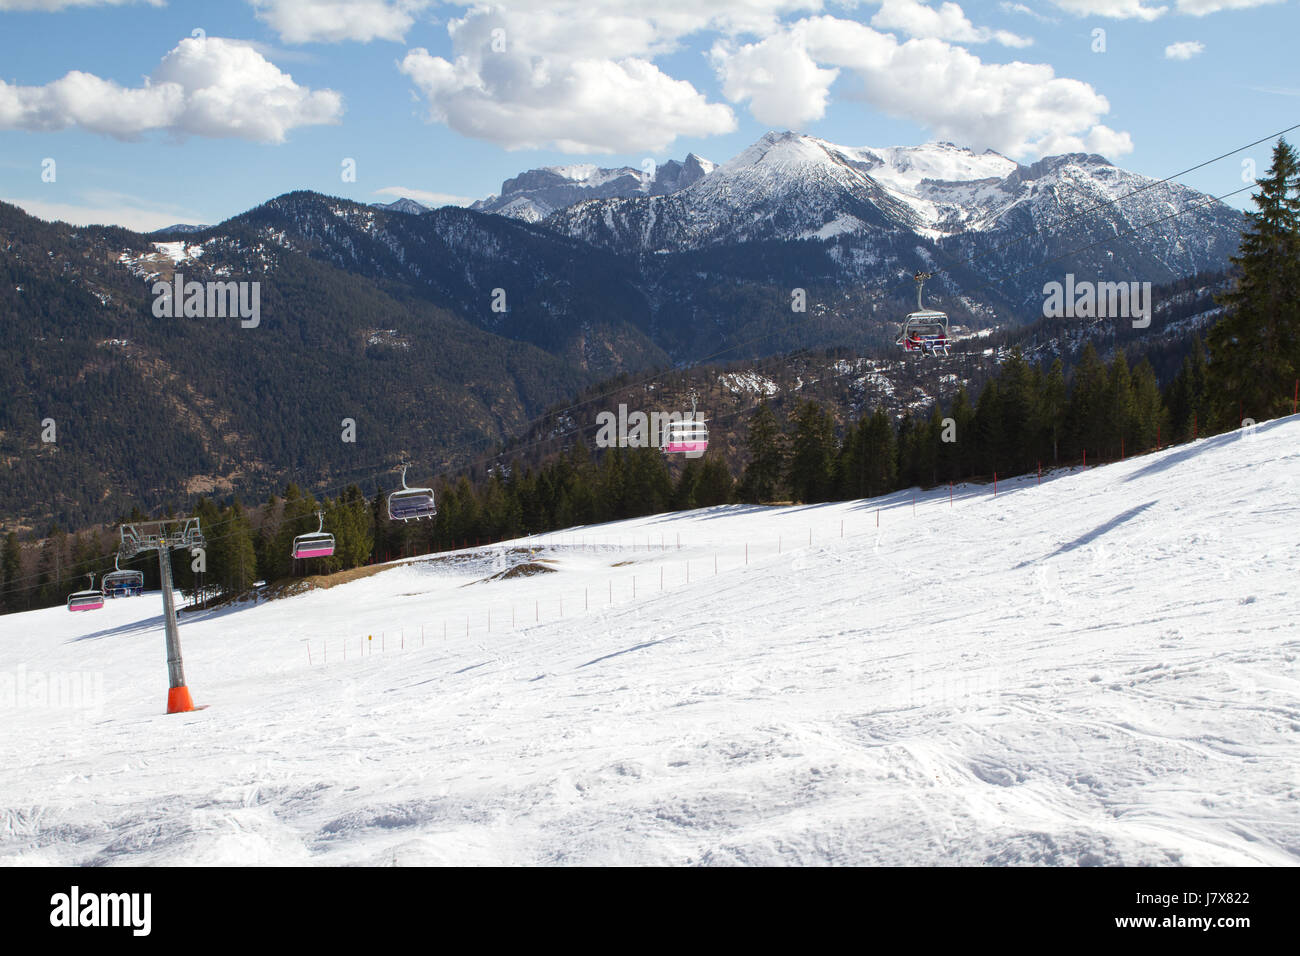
150,123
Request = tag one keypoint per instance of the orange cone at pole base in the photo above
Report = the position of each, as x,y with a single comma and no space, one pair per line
179,700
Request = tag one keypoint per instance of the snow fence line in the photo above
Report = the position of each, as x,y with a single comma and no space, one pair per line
364,645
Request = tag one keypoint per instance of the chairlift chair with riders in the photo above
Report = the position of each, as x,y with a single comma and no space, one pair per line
411,504
925,330
91,599
314,544
688,437
119,583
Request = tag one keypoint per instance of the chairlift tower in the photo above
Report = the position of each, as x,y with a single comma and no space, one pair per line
165,537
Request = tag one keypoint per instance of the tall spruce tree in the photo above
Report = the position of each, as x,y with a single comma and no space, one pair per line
12,592
877,465
1187,397
1051,404
1255,347
1118,410
762,478
812,453
1148,421
1085,411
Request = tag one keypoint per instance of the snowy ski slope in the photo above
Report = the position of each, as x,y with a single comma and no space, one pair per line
1100,669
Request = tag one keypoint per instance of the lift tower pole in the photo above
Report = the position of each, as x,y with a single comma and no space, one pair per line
164,537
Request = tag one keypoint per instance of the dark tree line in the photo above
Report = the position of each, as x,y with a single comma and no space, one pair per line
1023,418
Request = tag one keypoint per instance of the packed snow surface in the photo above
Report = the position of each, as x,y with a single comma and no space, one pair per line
1097,669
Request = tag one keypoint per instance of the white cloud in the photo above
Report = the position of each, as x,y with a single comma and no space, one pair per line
1200,8
1007,7
50,6
670,19
1020,109
946,22
783,84
334,21
516,82
424,196
1115,9
1184,51
1139,10
114,209
210,87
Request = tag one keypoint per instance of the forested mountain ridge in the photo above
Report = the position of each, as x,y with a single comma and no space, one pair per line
149,410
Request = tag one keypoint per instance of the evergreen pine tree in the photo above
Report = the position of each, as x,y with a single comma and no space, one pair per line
812,453
684,493
12,592
1255,347
239,557
1019,413
966,445
988,430
1118,409
879,455
1085,410
1149,417
762,478
1051,406
715,485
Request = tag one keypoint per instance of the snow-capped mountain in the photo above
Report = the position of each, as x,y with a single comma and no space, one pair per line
184,227
789,186
535,194
408,206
